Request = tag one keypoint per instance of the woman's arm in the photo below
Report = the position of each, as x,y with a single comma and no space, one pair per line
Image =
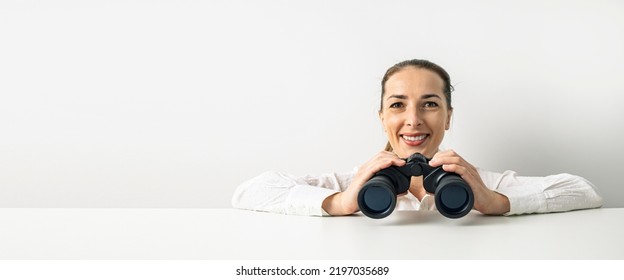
329,194
508,194
555,193
286,194
486,201
345,202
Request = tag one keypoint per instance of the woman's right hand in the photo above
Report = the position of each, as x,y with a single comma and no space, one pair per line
345,203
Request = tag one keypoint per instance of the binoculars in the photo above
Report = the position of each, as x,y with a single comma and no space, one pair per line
453,196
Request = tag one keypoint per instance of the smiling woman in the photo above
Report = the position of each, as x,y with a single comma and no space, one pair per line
415,107
415,112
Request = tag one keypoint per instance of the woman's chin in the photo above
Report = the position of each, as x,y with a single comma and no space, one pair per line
405,153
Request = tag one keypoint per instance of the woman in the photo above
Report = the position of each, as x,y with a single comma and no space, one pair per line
415,113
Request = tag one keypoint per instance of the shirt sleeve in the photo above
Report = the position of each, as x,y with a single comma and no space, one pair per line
555,193
287,194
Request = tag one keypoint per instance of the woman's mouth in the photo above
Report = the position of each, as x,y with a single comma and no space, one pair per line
414,140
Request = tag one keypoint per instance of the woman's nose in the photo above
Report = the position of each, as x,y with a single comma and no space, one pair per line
413,118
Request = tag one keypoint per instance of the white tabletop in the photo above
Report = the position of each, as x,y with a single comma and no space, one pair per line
236,234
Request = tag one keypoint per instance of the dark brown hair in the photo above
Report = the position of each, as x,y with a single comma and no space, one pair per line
418,63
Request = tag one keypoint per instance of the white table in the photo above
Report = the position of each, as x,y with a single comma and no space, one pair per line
27,233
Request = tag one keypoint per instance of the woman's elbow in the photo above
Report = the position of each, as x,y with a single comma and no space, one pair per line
260,192
589,193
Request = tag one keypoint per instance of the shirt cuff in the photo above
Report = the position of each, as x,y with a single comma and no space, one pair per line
307,200
524,200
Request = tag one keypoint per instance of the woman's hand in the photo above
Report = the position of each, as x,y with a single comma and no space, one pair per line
345,203
486,201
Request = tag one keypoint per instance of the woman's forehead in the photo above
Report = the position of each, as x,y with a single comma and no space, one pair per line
414,80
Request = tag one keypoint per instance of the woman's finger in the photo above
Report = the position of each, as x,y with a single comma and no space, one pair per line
442,159
455,168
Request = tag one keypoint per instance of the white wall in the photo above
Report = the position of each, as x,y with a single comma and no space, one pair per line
174,103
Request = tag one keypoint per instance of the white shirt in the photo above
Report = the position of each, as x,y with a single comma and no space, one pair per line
286,194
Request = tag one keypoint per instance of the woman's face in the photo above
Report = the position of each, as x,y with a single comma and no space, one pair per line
414,112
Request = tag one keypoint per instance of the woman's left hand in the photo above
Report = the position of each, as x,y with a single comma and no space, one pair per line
486,201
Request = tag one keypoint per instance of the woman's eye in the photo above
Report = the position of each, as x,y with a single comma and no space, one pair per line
430,104
396,105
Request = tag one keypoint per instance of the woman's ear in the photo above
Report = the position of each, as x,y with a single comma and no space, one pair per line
381,119
448,119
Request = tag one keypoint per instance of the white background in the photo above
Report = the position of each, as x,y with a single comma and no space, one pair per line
175,103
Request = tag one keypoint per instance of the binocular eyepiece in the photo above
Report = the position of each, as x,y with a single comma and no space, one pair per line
453,196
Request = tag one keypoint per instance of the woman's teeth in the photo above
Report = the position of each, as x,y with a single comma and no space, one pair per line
414,138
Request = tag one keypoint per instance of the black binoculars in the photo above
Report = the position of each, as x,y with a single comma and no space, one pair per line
453,196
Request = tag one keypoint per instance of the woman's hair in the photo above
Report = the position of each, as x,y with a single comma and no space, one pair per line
423,64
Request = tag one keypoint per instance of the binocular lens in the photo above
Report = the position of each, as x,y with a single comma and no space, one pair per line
377,198
453,197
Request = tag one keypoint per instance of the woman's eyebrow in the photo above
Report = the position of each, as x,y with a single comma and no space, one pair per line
431,95
401,96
